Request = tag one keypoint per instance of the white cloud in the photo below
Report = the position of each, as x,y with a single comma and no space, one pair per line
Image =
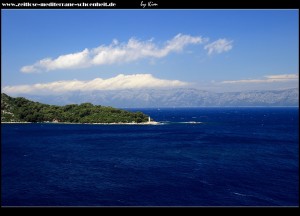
114,53
74,60
119,82
283,77
218,46
267,79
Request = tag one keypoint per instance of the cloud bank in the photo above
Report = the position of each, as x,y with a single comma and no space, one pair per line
136,81
114,53
218,46
267,79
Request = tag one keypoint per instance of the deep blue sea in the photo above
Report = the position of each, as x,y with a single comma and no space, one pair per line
235,157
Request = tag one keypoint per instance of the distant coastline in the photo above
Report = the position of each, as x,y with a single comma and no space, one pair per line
113,123
16,122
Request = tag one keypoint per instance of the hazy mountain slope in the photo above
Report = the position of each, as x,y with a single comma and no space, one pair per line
175,98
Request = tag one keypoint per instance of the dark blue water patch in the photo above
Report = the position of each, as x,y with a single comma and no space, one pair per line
229,160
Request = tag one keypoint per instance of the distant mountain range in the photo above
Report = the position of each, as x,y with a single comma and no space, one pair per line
183,97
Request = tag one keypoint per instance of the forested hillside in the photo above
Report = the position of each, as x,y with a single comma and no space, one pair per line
23,110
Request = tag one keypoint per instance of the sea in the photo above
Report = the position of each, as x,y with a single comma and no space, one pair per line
195,157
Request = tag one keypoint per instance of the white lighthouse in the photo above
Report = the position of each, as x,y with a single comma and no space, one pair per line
149,120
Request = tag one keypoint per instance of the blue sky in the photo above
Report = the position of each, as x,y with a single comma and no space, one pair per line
54,51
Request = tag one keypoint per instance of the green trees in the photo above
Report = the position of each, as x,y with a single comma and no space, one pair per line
25,110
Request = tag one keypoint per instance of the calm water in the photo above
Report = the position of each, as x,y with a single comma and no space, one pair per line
236,157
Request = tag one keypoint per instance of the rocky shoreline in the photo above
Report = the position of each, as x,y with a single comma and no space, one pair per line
113,123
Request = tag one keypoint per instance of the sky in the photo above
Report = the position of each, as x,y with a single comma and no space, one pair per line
57,51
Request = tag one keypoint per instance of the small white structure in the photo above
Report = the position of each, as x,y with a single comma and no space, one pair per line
55,121
149,120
